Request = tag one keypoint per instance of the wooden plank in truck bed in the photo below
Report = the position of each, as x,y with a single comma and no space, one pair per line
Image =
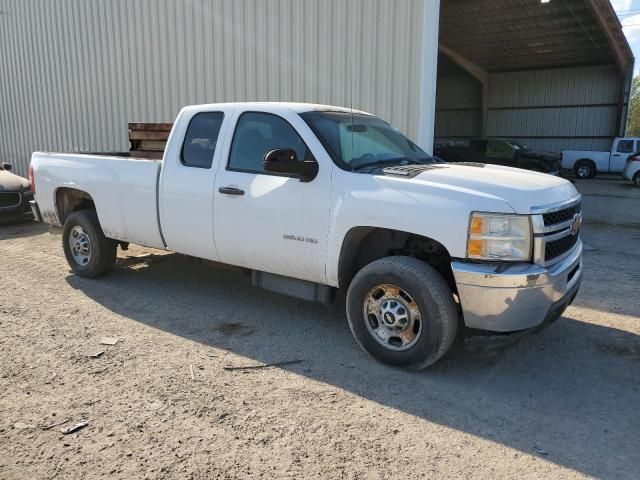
148,135
146,154
148,140
158,127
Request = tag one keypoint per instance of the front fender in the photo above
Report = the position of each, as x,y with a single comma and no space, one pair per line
378,202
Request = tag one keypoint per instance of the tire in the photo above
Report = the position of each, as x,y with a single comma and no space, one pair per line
82,228
636,179
584,169
418,285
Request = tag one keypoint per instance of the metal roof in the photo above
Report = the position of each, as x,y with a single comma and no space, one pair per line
504,35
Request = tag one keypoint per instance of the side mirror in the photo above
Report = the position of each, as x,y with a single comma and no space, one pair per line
285,161
7,166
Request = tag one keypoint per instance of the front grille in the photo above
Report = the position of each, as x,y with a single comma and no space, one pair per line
9,199
557,247
561,216
556,231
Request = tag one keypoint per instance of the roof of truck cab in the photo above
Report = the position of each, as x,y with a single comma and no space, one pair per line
292,106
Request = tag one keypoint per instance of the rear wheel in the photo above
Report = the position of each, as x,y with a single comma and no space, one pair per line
584,169
402,312
88,252
636,179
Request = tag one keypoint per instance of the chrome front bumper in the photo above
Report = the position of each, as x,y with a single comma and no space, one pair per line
513,297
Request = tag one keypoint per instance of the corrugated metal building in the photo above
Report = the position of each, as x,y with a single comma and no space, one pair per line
551,75
570,108
74,73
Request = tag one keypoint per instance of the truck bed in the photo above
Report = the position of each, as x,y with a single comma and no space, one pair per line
123,189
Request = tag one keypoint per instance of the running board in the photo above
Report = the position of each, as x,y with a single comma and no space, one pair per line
312,292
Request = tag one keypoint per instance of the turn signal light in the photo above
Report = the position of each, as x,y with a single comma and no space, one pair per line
477,225
476,248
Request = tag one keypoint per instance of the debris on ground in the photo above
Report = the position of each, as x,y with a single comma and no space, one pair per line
266,365
109,341
57,424
193,377
23,426
96,354
74,428
540,450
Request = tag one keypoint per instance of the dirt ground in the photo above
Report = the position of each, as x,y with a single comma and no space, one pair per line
160,404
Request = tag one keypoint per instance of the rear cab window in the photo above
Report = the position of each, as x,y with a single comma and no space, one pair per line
201,138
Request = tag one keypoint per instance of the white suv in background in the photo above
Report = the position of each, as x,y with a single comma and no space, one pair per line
632,169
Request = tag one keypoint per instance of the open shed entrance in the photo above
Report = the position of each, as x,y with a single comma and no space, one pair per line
553,75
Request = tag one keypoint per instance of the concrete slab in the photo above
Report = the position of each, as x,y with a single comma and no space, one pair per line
610,200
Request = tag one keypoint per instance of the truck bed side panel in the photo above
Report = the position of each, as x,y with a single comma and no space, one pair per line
601,159
123,190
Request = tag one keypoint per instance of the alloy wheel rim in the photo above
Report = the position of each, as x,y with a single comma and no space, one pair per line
584,171
392,317
80,245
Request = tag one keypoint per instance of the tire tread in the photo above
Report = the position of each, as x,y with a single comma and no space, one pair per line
438,290
104,249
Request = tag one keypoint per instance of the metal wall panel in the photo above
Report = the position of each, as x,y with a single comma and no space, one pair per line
74,72
554,110
458,108
562,86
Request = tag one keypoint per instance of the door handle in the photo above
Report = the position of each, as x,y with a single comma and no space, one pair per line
616,154
231,191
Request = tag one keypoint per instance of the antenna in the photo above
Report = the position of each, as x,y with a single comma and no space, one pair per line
351,81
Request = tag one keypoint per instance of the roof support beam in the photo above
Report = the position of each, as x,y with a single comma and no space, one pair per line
603,14
472,68
479,74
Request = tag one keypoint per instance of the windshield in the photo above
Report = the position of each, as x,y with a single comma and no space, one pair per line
358,142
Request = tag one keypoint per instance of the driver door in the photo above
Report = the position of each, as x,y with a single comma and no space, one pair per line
623,150
265,221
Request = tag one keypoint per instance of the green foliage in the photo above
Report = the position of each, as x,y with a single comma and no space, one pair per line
633,121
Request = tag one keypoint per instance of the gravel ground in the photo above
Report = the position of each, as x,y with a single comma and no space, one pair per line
159,403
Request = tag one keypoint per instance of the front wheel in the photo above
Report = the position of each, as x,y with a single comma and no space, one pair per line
89,253
402,312
636,179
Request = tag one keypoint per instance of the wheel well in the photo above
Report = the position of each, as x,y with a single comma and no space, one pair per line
69,200
363,245
586,160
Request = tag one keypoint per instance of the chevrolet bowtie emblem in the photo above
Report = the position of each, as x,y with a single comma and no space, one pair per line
577,223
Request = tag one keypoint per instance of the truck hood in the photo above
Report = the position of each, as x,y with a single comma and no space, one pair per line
10,181
520,189
539,154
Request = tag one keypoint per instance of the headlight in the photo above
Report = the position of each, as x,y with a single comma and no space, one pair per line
499,237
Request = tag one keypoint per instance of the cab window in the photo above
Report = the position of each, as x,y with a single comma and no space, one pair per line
499,149
625,146
256,135
200,140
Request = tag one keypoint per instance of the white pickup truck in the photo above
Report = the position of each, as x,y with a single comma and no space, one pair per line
314,198
585,164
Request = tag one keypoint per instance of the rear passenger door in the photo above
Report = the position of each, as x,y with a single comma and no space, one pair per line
186,187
